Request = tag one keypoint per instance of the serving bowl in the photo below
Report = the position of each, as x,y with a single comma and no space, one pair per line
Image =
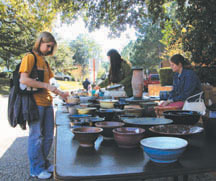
128,137
107,103
86,110
108,126
73,99
182,116
86,136
164,149
109,114
178,130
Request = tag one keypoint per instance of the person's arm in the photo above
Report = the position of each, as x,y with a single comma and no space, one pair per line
26,80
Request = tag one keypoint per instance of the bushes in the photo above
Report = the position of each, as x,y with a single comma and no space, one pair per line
206,74
166,76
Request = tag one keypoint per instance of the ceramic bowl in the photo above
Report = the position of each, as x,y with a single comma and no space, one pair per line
178,130
182,117
128,137
164,149
109,114
107,103
73,100
108,126
86,136
87,110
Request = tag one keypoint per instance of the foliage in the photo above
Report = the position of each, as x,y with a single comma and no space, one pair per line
84,50
145,51
20,21
166,77
195,18
206,74
62,58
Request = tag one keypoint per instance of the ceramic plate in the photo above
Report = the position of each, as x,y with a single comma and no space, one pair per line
147,121
176,130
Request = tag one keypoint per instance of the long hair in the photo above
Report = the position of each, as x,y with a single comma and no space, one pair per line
45,37
115,61
177,59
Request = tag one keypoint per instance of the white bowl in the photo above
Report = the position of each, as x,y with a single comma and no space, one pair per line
164,149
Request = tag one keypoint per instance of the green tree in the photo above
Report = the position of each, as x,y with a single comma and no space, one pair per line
62,59
84,49
20,21
146,50
197,17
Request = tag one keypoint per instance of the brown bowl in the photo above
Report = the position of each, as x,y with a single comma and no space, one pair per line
128,137
108,126
86,136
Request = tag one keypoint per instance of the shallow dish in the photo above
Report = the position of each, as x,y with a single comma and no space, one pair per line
182,117
147,121
128,137
176,130
78,116
108,126
86,136
164,149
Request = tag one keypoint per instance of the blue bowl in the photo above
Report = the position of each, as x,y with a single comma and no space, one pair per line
164,149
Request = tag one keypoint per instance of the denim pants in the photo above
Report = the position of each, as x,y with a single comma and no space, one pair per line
40,140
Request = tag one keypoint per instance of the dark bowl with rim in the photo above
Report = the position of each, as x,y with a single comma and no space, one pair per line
182,116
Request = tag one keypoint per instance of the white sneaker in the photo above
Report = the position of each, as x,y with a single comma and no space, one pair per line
44,175
50,168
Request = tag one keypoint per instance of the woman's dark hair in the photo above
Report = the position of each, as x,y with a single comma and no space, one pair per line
115,61
177,58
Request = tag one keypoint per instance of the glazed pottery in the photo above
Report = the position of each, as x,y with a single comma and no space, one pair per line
137,83
128,137
108,103
178,130
209,126
182,116
164,149
108,126
86,136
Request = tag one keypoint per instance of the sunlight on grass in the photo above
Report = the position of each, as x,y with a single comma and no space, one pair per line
69,85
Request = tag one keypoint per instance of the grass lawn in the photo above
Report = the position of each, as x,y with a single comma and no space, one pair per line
64,85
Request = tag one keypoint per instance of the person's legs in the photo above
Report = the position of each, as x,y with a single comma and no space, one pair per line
35,141
48,133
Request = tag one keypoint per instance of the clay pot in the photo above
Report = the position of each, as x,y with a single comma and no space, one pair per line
137,83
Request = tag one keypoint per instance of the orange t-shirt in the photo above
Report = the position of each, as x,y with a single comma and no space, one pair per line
42,98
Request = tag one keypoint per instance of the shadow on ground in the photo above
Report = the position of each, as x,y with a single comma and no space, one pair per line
14,165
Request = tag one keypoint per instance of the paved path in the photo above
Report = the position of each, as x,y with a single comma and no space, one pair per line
13,153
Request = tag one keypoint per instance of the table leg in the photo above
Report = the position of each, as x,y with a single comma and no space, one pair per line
185,177
175,178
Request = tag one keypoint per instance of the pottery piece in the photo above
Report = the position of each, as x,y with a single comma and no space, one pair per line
164,149
108,126
86,136
137,83
128,137
108,103
178,130
182,116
